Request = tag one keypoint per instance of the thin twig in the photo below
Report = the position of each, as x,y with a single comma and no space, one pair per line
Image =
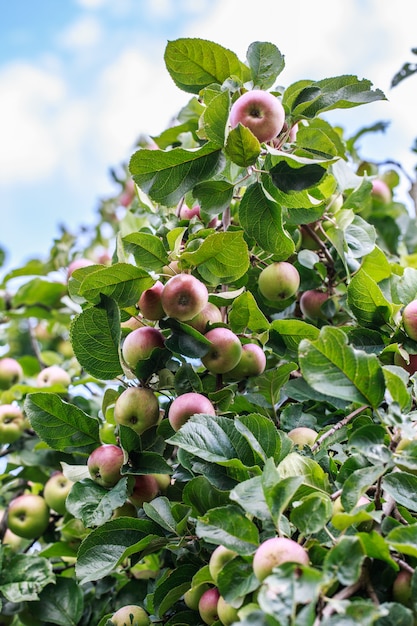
338,426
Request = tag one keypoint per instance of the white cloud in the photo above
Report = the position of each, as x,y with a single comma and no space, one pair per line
84,33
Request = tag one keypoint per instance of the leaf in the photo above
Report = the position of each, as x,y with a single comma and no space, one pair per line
184,340
94,504
278,491
196,63
202,496
159,510
261,434
229,526
63,426
367,302
167,176
95,337
61,603
261,218
214,119
287,178
311,513
122,282
320,139
402,487
148,250
242,147
293,332
266,63
249,494
334,368
214,195
246,315
172,588
357,483
25,577
345,560
404,539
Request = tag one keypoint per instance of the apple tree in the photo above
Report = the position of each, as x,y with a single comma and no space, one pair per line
208,400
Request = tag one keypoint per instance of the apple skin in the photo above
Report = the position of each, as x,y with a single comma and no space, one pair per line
12,423
104,464
187,213
138,408
78,264
227,613
55,492
210,314
11,372
183,297
145,489
409,319
275,551
130,615
224,353
259,111
218,559
53,375
150,302
193,595
28,516
410,367
401,588
252,362
311,302
128,194
207,606
139,344
127,509
381,191
279,281
303,436
186,405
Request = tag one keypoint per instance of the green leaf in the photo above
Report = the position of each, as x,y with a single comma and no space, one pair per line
25,577
313,476
242,147
159,510
63,426
121,282
376,547
167,176
278,491
214,119
311,513
261,218
367,302
261,434
172,588
402,487
94,504
376,264
404,539
39,292
334,368
229,526
287,178
61,603
357,483
202,496
196,63
292,332
345,560
184,340
265,62
319,138
95,338
148,250
214,195
272,381
246,315
249,494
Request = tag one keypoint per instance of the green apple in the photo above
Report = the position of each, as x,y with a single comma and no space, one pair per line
186,405
218,559
207,606
127,509
227,613
28,516
193,595
275,551
279,281
183,297
107,433
252,362
11,372
303,436
261,112
139,344
163,480
55,491
138,408
53,375
12,423
225,351
130,615
16,543
401,587
104,464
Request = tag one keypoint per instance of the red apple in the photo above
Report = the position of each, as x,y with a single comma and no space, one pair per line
150,302
275,551
130,615
186,212
186,405
12,423
28,516
184,296
225,351
104,464
252,362
311,302
145,489
409,319
279,281
207,606
128,194
139,344
11,372
138,408
210,314
55,491
259,111
53,375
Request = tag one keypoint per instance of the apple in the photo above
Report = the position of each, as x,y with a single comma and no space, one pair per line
409,319
55,491
15,542
132,323
218,559
311,302
193,595
128,194
184,296
207,606
78,264
252,362
187,213
130,615
303,436
28,516
139,344
308,241
53,375
380,191
225,350
145,489
150,302
259,111
11,372
138,408
401,587
275,551
107,433
104,464
127,509
186,405
278,281
12,423
411,366
172,269
210,314
227,613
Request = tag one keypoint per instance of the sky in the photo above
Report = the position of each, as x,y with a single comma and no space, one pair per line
81,80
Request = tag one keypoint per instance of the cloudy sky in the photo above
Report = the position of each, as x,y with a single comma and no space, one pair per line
80,80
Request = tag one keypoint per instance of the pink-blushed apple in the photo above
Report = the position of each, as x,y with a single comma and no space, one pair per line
132,323
311,302
130,615
12,423
186,405
252,362
15,542
139,344
28,516
145,489
261,112
77,264
55,491
184,296
207,606
104,464
279,281
187,213
150,302
11,372
53,375
128,194
275,551
409,319
303,436
210,314
163,480
225,350
218,559
227,613
138,408
401,587
381,191
172,269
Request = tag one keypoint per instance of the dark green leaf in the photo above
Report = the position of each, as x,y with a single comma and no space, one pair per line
288,178
229,526
265,62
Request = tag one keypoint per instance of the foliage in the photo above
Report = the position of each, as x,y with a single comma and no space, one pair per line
236,478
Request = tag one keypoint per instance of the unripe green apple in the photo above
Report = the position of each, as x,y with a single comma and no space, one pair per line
261,112
186,405
12,423
193,595
104,464
401,588
207,606
311,302
130,615
303,436
53,375
225,350
227,613
163,480
145,489
210,314
183,297
11,372
279,281
409,319
128,509
55,491
138,408
28,516
139,344
16,543
218,559
150,302
275,551
252,362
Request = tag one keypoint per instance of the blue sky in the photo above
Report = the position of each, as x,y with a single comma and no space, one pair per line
80,80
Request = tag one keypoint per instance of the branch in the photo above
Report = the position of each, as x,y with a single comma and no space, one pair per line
338,426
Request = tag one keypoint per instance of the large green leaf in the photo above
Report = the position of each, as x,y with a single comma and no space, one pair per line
148,250
25,576
367,301
94,504
265,62
229,526
123,282
61,603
